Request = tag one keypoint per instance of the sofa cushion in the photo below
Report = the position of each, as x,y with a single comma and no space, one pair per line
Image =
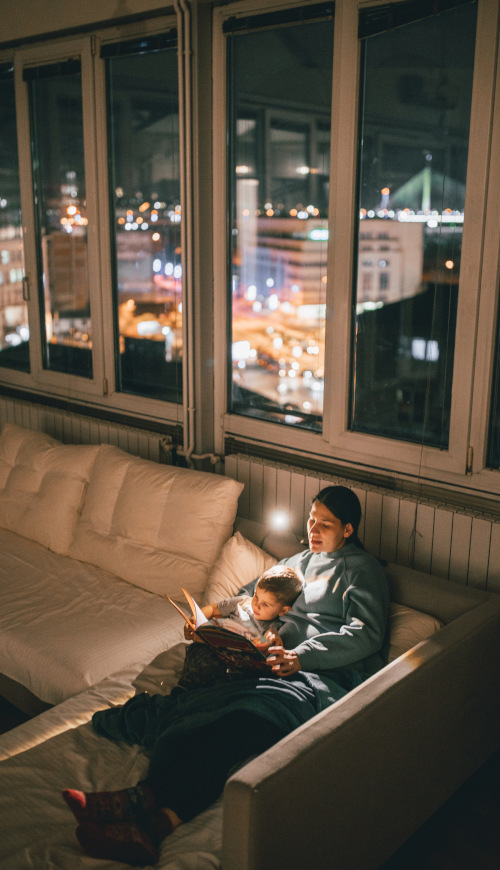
157,526
408,627
42,485
239,563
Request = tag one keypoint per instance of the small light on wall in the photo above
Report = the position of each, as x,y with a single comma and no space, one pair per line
280,521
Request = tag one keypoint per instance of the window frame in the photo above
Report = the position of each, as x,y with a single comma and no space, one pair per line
337,443
39,377
100,390
489,309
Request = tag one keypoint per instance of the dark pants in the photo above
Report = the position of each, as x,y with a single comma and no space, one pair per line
188,771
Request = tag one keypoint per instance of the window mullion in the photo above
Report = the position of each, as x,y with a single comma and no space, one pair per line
343,150
26,188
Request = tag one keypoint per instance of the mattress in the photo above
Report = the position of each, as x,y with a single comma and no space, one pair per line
37,831
66,625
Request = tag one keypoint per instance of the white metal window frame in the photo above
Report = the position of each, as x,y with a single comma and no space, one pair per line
101,389
478,278
39,56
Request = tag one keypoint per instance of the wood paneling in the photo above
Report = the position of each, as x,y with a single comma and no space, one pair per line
430,537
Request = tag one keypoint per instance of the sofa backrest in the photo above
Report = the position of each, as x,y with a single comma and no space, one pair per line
42,485
443,598
156,526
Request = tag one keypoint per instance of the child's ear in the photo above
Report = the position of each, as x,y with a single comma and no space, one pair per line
285,609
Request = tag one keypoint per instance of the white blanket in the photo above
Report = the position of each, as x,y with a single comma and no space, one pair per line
37,830
66,625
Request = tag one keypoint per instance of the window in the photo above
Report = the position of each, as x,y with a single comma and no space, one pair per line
143,112
414,129
401,241
99,171
280,96
14,329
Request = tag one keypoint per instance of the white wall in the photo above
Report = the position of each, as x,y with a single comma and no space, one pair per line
28,18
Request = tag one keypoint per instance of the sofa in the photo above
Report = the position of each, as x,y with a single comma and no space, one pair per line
344,790
92,539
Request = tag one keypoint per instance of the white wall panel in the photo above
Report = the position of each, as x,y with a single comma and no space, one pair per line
460,546
479,552
441,543
256,492
389,530
297,503
373,522
269,491
424,534
493,581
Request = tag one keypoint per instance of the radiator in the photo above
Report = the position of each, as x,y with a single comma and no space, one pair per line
432,537
78,429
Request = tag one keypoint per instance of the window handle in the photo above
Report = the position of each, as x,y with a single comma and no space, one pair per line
26,288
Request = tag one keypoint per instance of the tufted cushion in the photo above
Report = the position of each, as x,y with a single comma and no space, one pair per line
239,563
42,485
157,526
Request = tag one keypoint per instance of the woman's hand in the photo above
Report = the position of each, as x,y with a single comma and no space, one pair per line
283,662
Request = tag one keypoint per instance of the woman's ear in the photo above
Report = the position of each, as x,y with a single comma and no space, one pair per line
348,530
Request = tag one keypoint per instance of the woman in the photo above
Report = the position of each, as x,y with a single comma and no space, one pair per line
333,636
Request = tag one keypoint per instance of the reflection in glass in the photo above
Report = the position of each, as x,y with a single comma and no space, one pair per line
146,221
415,112
279,122
14,330
61,216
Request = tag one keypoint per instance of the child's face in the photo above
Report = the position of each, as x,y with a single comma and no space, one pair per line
266,606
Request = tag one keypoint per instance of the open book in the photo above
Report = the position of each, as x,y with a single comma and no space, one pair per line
237,652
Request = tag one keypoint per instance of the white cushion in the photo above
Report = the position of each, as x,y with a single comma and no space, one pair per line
42,485
408,627
157,526
239,563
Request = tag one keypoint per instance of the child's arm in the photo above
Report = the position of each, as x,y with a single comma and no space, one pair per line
211,611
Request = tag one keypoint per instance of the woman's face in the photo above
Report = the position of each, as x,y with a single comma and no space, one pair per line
325,531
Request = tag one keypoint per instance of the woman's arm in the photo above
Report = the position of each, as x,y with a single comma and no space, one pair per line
341,618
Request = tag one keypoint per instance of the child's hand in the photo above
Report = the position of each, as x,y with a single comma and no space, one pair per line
272,639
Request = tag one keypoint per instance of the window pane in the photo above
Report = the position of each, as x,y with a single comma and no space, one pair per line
14,330
61,215
415,113
146,215
279,122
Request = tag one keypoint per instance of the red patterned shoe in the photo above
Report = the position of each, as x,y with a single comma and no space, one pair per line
107,807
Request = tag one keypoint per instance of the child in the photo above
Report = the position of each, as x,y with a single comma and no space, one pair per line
254,617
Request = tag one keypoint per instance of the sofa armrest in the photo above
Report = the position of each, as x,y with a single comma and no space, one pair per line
348,788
